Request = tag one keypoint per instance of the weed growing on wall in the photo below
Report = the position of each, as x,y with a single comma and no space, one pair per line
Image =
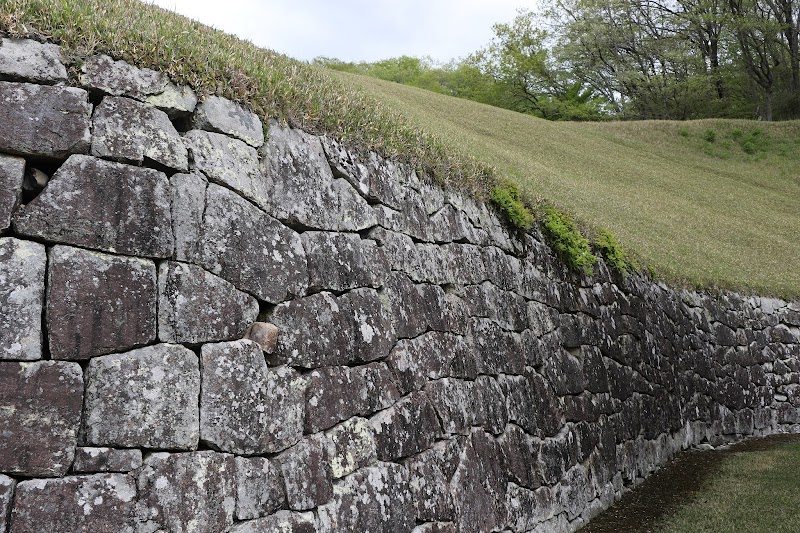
506,197
567,240
613,253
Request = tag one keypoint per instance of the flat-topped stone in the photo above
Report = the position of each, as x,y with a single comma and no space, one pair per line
120,78
22,279
221,115
95,460
29,60
259,487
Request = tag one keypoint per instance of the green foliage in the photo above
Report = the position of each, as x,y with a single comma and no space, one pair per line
506,196
683,132
567,240
614,254
709,136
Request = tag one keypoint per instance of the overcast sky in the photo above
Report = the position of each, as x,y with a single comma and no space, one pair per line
356,30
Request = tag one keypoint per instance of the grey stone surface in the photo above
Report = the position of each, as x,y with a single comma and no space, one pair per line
259,488
195,306
119,78
44,121
408,427
188,205
7,487
187,492
143,398
245,407
375,499
429,481
302,187
40,410
176,101
22,271
280,522
431,356
224,116
305,469
98,303
350,446
131,132
342,261
102,205
93,460
324,330
12,172
25,59
102,502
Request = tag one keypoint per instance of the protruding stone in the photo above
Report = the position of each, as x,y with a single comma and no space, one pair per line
245,407
7,487
280,522
22,269
175,101
94,460
375,499
187,493
259,488
221,115
44,121
195,306
12,173
350,446
102,205
324,330
406,428
302,188
103,502
40,411
342,261
119,78
145,398
98,303
306,473
29,60
265,335
131,132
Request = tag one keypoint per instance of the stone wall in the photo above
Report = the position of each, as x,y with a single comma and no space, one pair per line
434,371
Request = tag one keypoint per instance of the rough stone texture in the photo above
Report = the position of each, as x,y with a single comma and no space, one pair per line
341,261
280,522
44,121
143,398
40,410
374,499
408,427
220,115
196,306
128,131
296,168
102,502
326,330
187,492
102,205
259,488
7,487
119,78
93,460
265,335
12,173
175,101
245,407
350,446
22,269
25,59
98,303
306,474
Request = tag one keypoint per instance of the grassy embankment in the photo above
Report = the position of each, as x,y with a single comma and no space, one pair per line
710,203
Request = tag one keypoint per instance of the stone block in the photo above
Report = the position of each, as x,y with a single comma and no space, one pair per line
282,522
12,173
435,527
176,101
478,487
98,303
7,487
44,121
94,460
40,411
342,261
187,493
145,398
195,306
22,270
245,407
29,60
433,355
259,488
102,205
306,474
221,115
119,78
429,481
131,132
265,335
102,502
350,446
408,427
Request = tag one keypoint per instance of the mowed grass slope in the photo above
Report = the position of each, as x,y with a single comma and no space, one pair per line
709,203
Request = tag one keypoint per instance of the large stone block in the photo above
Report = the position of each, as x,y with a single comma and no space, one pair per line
98,303
195,306
22,268
143,398
119,78
29,60
375,499
102,205
131,132
350,446
322,329
431,356
12,172
7,487
94,460
223,116
408,427
478,487
40,411
44,121
187,493
429,477
280,522
259,488
103,502
245,407
306,473
342,261
188,201
302,188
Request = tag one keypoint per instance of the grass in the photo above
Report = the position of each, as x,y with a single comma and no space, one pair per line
712,209
755,491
